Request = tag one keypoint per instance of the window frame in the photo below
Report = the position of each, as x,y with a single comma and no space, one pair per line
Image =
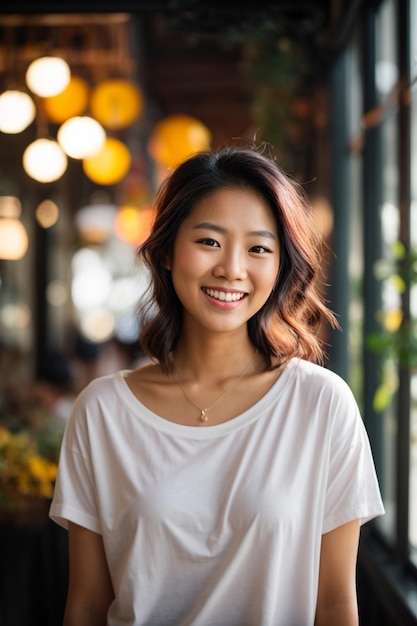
385,569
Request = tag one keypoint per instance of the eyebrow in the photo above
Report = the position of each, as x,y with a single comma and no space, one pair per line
219,229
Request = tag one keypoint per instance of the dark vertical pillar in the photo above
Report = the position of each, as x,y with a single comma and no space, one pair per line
41,321
372,244
404,165
339,291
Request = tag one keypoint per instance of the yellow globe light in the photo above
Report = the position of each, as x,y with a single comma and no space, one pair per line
17,111
110,164
116,103
72,101
177,137
44,160
133,225
48,76
81,137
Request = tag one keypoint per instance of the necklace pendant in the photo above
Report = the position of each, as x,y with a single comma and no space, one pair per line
203,416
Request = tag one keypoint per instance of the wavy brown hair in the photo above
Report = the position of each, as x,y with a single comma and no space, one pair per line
287,324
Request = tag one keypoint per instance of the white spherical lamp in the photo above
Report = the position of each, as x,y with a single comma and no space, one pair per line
44,160
48,76
17,111
81,137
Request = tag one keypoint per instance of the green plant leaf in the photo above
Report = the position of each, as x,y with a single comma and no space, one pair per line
381,398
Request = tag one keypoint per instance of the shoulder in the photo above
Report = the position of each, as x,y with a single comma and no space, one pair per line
108,394
318,377
99,403
101,395
100,387
316,386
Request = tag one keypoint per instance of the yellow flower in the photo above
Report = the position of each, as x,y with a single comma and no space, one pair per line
23,471
45,490
41,469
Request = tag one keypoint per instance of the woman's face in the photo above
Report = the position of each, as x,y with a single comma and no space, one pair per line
225,259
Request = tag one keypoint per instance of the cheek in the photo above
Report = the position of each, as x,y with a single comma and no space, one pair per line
186,269
269,276
188,261
266,289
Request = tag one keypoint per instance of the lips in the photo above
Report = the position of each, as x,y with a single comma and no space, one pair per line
224,296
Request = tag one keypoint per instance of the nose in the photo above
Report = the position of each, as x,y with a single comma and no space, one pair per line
231,266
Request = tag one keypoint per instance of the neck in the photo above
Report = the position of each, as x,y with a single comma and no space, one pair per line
213,360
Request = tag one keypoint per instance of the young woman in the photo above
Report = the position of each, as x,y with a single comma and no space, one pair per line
224,483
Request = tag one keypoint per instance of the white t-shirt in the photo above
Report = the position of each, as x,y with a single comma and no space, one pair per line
217,525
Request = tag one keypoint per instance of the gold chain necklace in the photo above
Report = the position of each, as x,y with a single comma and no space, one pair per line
203,412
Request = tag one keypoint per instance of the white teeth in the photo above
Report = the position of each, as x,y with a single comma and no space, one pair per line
223,296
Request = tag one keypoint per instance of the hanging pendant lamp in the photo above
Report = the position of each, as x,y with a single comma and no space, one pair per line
176,137
110,164
48,76
17,111
81,137
70,102
44,160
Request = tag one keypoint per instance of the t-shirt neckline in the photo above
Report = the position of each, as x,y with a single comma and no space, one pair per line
158,422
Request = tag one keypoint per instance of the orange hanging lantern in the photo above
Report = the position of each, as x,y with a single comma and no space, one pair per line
133,225
110,164
71,102
116,103
177,137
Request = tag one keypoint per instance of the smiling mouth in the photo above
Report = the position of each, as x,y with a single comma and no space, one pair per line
224,296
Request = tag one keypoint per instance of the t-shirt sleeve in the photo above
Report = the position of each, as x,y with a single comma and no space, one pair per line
352,490
75,498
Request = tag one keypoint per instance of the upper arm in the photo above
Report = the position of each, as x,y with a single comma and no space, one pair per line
90,591
336,600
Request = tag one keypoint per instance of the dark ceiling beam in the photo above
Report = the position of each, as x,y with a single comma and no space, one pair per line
308,16
90,6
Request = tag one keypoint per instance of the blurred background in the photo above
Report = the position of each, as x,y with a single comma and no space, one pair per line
98,103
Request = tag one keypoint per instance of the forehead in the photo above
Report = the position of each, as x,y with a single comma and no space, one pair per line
234,202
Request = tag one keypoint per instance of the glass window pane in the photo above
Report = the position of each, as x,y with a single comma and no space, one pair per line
391,304
386,75
355,114
413,307
386,68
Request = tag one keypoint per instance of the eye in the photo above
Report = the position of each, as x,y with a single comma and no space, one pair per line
207,241
260,250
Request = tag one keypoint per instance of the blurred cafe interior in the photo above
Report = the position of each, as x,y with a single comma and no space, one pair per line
98,103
